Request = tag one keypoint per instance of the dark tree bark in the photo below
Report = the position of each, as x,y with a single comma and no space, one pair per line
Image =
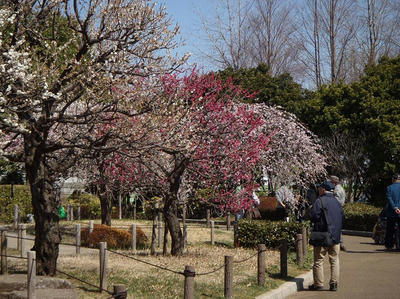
165,243
170,210
106,209
171,205
104,196
45,208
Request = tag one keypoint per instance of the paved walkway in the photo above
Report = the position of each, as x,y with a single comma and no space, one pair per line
63,249
366,272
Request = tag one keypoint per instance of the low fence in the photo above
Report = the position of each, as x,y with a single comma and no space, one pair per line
188,273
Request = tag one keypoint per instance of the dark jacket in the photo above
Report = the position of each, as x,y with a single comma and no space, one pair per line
334,212
393,197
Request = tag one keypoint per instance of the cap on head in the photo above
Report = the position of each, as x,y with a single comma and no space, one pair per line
334,179
328,186
396,176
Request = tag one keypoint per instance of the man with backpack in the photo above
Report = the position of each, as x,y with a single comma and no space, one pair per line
326,217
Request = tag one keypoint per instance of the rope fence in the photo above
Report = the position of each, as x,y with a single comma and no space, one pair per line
189,273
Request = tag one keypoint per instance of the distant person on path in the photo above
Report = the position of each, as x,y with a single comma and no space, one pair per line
339,192
393,210
340,195
285,198
326,201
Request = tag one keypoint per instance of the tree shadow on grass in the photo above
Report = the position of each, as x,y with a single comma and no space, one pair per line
221,244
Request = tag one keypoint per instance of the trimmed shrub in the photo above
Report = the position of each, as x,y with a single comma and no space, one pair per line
360,216
22,197
269,208
271,233
115,238
90,204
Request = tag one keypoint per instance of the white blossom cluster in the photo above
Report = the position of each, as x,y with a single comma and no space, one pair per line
66,82
295,155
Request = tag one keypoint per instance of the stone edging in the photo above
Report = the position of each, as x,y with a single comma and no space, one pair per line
301,282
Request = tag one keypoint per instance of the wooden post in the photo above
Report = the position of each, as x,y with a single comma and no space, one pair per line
16,210
299,249
19,215
212,232
78,213
31,275
153,237
262,253
119,206
23,240
235,234
283,252
185,234
159,234
208,217
228,221
119,291
3,252
103,266
133,230
78,238
189,282
91,225
228,286
304,233
72,212
68,212
19,234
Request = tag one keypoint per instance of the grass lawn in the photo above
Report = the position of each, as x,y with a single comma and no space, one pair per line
145,281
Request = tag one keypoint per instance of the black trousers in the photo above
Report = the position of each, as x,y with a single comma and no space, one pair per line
389,237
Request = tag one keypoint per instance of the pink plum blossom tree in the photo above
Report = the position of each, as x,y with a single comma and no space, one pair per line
200,135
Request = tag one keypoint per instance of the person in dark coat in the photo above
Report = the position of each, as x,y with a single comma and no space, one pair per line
334,213
392,211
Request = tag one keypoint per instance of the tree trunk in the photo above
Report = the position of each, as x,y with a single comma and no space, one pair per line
106,209
45,208
170,214
153,236
165,243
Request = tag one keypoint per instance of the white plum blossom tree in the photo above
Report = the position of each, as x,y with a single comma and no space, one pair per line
60,61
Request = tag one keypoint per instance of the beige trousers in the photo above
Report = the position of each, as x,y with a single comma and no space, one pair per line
318,268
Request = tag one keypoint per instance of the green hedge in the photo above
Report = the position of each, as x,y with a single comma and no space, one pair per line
22,197
89,203
271,233
360,216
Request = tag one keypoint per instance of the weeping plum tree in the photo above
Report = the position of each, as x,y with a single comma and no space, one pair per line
202,134
59,62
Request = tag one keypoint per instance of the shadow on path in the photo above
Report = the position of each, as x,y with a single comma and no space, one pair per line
366,271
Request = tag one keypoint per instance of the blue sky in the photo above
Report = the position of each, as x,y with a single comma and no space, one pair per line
187,14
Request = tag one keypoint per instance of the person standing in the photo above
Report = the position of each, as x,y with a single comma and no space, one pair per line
340,195
393,210
339,192
332,223
285,199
